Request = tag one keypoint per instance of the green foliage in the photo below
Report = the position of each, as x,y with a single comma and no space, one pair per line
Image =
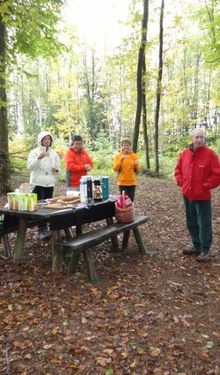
32,27
209,20
167,166
102,155
19,151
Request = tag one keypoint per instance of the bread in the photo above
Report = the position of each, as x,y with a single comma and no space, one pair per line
64,199
69,199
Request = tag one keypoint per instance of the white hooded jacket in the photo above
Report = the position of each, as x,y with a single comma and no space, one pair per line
41,169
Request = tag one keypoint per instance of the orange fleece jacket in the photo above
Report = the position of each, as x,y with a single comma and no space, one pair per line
126,168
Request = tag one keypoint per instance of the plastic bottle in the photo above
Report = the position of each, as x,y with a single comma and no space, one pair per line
83,189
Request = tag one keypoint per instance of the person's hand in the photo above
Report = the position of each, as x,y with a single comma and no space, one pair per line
88,167
42,155
136,162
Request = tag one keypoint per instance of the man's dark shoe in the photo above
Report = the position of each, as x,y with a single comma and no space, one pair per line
203,257
191,251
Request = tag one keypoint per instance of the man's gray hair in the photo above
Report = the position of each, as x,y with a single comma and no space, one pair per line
196,130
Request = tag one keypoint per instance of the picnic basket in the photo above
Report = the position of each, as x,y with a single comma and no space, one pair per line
124,209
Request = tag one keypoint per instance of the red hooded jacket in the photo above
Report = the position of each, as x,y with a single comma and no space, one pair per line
75,165
197,171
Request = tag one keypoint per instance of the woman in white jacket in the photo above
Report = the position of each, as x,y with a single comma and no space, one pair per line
44,164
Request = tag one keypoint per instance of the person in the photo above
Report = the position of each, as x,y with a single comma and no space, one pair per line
127,166
44,164
197,172
78,163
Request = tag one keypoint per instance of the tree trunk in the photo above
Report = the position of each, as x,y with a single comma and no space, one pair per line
144,118
4,153
140,75
158,93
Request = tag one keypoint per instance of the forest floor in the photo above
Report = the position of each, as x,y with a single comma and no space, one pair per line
149,315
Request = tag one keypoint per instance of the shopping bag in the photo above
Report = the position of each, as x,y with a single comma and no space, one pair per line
124,209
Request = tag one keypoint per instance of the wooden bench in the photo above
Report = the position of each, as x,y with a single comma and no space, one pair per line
84,243
11,227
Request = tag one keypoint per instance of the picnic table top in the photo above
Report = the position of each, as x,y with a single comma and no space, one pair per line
80,214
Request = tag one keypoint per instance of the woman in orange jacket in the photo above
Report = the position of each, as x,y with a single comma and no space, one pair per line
127,165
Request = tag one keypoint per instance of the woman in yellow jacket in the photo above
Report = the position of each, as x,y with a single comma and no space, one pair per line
127,165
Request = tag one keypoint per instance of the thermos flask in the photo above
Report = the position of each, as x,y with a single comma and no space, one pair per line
89,189
105,187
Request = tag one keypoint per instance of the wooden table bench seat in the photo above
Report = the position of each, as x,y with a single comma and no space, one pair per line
10,225
84,243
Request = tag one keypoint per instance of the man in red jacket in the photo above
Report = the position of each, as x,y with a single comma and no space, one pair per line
197,172
78,163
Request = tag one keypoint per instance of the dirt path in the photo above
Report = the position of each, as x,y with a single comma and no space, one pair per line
158,315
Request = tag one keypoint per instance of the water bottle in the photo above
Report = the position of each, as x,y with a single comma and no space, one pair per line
83,189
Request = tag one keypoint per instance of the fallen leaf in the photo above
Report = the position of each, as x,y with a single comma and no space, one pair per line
154,352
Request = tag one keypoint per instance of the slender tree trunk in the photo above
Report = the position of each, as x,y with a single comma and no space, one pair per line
4,153
144,118
140,75
158,94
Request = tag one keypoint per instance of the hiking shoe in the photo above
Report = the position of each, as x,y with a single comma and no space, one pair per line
203,257
191,251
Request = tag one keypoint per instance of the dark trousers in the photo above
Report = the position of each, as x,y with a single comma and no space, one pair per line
129,190
199,223
43,193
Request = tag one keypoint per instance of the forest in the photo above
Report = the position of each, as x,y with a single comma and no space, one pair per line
147,314
159,83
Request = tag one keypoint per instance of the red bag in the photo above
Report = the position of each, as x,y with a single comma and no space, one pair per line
124,209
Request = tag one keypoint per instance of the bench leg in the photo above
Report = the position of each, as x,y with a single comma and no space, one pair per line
125,239
138,238
90,265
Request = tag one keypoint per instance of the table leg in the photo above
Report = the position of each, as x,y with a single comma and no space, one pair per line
76,256
19,246
57,257
114,239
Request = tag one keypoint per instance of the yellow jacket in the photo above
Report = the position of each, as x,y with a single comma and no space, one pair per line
126,168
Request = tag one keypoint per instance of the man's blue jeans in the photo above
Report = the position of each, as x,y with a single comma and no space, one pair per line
199,223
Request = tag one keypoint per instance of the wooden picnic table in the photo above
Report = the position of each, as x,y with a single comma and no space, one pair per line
58,219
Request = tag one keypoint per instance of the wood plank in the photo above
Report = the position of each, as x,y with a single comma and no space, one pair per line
95,237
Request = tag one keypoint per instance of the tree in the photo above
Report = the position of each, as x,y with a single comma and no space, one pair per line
158,92
4,156
26,27
140,73
144,119
94,101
